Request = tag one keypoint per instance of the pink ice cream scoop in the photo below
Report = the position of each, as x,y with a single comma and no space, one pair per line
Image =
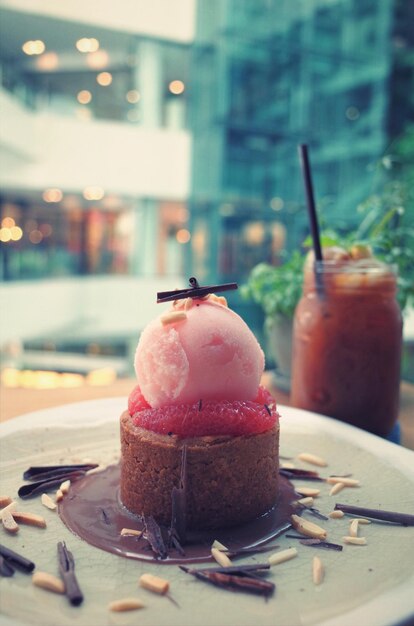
205,352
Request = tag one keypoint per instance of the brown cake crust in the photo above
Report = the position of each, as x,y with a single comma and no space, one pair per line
230,480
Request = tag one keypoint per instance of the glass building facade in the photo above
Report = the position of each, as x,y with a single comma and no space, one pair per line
271,74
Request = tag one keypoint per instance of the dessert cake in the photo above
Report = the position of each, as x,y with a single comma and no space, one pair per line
199,415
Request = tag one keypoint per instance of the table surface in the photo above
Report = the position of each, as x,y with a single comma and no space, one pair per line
17,401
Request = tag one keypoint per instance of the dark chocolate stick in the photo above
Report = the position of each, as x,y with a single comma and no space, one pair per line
195,291
16,559
231,569
67,571
386,516
318,543
234,582
6,569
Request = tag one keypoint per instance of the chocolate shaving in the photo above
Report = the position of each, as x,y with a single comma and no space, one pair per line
267,409
233,582
67,571
6,569
315,543
200,405
405,519
154,536
300,473
195,291
231,569
54,471
316,512
16,560
178,528
35,488
105,516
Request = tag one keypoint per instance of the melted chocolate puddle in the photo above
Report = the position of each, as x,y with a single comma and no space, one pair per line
93,511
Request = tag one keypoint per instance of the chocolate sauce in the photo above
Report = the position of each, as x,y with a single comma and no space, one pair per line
93,511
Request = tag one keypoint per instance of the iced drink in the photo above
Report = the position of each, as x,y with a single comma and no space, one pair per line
347,342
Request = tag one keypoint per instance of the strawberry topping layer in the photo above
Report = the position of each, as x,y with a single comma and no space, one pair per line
236,417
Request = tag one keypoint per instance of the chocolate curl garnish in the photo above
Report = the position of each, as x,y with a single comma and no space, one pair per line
234,554
67,571
16,560
405,519
233,582
195,291
178,528
34,488
54,471
154,536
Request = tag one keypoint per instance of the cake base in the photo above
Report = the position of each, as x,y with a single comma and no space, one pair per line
230,480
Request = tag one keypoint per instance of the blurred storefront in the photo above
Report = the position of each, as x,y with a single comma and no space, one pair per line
275,73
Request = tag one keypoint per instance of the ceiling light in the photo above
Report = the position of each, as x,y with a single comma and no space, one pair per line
176,87
183,235
8,222
93,193
87,44
33,47
104,79
84,96
97,60
5,234
52,195
133,96
16,233
47,62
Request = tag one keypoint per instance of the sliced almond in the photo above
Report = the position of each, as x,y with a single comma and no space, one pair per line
353,528
313,459
4,501
308,491
219,546
172,317
188,303
154,583
337,514
356,541
221,558
9,522
318,570
348,482
48,502
9,507
31,519
282,556
287,465
59,495
126,604
131,531
48,581
308,501
308,528
363,520
336,488
65,486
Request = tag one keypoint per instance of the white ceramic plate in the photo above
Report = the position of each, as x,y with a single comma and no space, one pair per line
369,585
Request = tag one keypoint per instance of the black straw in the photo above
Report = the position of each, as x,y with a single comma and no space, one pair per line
310,200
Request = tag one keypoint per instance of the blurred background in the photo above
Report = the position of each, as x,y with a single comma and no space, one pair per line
146,141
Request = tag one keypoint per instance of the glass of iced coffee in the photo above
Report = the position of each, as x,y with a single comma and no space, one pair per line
347,341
